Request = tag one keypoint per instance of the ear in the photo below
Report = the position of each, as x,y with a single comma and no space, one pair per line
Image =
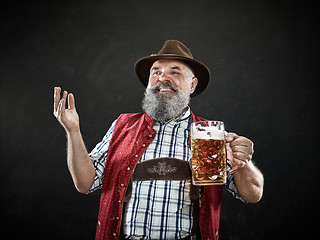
194,83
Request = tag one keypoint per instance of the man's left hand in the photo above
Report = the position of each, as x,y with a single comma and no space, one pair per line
240,150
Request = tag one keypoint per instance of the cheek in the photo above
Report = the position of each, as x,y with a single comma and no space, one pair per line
177,82
184,85
152,81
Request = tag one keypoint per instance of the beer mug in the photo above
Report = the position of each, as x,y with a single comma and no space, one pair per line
209,153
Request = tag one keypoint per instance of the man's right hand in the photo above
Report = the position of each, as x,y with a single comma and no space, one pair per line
68,118
78,160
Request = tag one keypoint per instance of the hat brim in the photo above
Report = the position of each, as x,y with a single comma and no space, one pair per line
201,72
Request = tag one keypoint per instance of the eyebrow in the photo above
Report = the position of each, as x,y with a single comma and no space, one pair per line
174,67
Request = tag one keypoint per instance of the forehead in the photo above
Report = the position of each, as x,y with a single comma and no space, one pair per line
169,63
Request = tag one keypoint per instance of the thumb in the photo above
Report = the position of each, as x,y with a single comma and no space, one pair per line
231,136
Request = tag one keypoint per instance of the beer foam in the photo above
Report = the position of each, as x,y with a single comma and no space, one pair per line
208,133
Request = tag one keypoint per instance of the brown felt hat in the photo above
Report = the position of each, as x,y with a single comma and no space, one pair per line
173,49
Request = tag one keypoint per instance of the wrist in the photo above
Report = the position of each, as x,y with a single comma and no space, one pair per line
73,133
247,167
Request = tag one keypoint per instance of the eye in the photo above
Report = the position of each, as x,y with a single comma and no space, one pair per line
174,73
156,73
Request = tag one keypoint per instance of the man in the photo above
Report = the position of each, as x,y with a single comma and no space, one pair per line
136,204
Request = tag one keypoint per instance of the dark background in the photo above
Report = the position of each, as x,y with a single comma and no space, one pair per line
264,59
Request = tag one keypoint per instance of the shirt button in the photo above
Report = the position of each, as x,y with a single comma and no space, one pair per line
150,136
114,234
119,201
136,155
143,145
117,218
128,169
122,185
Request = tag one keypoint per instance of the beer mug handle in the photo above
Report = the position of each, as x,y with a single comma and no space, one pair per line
232,170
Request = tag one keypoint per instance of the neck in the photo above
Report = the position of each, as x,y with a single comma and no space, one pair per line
182,112
179,115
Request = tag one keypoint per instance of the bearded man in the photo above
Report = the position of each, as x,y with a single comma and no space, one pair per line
136,202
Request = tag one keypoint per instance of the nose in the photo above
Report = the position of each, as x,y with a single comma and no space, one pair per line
163,77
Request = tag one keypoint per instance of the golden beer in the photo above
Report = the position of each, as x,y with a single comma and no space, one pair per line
208,161
208,146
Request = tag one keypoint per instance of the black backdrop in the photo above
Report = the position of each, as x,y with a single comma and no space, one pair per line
262,55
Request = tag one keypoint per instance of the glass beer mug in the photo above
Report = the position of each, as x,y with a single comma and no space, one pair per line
209,153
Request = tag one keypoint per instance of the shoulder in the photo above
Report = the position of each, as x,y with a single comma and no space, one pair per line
130,115
126,120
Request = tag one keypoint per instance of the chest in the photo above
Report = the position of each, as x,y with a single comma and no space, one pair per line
171,140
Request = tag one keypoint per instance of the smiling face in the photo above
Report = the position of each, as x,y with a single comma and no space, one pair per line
171,83
174,72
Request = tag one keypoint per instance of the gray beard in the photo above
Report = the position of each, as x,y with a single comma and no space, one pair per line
164,107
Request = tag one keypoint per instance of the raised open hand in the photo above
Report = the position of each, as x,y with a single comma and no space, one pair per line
69,117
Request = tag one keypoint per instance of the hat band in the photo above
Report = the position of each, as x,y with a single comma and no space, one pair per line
169,54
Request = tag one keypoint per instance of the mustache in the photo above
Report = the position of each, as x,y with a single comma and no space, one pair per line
165,84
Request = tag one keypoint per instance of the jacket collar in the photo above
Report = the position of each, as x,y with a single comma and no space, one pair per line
149,120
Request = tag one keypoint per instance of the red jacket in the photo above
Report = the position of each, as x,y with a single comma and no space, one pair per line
131,136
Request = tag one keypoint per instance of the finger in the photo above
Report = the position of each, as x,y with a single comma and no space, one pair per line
71,102
64,98
234,161
59,110
241,156
243,149
241,141
56,98
64,95
231,137
239,163
62,105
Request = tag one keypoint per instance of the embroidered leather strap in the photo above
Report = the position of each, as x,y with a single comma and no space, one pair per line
162,169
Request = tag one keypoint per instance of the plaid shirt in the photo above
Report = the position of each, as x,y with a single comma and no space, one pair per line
157,209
